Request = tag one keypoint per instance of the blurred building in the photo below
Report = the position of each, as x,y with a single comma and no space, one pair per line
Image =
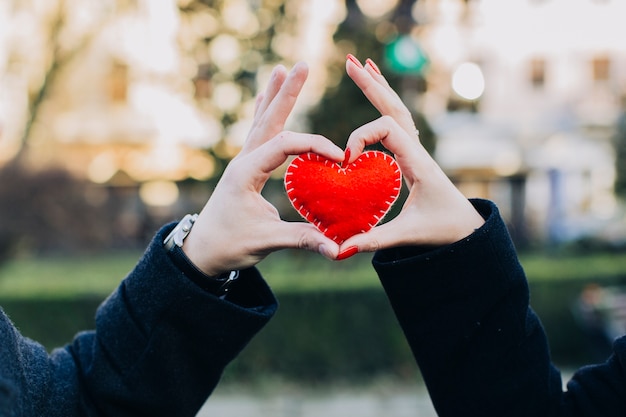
102,90
135,93
524,96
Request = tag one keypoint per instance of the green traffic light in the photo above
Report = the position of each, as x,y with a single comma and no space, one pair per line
403,55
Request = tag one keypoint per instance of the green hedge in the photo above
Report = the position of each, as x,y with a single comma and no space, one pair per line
54,321
316,335
321,335
329,335
554,302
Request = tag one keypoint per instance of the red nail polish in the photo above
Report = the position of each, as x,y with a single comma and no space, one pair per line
346,253
354,60
346,158
373,65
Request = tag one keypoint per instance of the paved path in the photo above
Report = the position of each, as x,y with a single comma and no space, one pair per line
403,401
381,399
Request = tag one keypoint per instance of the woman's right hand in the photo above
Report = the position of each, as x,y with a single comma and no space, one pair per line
435,211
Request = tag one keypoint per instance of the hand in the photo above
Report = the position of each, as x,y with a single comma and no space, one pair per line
237,228
435,212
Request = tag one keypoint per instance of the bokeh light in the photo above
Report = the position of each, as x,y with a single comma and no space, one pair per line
468,81
376,8
159,193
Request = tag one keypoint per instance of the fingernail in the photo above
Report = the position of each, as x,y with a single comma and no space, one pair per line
354,60
297,66
373,65
278,68
346,253
274,72
346,158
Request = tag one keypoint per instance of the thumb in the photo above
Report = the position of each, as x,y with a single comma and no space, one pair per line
301,235
380,237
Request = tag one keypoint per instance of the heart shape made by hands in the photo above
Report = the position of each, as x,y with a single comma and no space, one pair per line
342,201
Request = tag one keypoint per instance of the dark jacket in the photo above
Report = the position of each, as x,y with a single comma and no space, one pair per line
464,309
160,346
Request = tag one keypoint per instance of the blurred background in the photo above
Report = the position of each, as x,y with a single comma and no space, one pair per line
117,116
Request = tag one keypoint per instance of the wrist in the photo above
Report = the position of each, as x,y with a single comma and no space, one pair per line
203,255
218,284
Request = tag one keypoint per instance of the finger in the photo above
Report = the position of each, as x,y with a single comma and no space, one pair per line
386,131
274,153
369,79
277,78
373,84
257,103
378,91
301,235
277,106
375,72
411,156
364,242
285,99
383,236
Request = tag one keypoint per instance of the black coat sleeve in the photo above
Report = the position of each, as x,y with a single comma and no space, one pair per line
159,347
482,351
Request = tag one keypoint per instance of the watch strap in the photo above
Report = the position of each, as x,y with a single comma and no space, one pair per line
217,285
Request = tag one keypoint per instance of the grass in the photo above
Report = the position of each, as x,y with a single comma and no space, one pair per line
63,277
59,277
573,266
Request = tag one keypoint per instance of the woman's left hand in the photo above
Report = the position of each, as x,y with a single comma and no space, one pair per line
238,227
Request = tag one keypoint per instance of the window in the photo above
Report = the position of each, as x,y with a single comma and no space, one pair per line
202,82
118,82
538,72
601,68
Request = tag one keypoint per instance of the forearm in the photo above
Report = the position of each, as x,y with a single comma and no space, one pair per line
162,342
464,309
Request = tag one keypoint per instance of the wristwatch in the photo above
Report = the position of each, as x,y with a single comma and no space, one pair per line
218,285
180,232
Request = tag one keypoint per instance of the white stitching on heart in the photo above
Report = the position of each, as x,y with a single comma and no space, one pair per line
311,156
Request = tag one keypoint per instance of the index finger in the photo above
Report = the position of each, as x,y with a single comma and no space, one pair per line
276,106
378,91
275,152
388,132
277,78
409,153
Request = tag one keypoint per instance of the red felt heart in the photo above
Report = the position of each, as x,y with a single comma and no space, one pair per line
343,201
